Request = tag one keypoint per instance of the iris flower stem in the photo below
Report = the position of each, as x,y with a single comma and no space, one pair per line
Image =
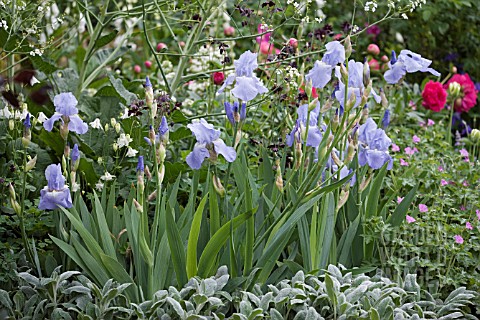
22,210
449,130
225,207
302,190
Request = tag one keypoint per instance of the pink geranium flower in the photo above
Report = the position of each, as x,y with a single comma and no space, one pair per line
415,139
422,208
440,168
430,122
399,199
458,239
395,148
464,153
468,225
443,182
410,219
410,151
403,163
478,214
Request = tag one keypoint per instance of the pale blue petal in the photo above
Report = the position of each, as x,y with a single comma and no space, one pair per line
245,89
55,179
227,152
396,72
362,155
203,131
259,85
50,200
65,103
197,156
314,137
366,130
320,75
243,111
77,125
230,79
246,63
335,53
229,109
376,159
48,124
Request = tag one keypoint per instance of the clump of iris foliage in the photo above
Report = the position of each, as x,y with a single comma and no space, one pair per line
145,145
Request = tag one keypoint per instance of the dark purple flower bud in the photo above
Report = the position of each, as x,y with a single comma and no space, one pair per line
75,154
27,122
394,58
386,119
147,82
140,165
163,129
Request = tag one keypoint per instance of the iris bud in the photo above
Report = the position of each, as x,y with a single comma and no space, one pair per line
348,47
31,164
217,185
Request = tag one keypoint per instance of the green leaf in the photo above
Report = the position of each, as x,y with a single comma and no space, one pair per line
398,216
105,234
176,248
280,239
43,64
92,245
106,39
178,117
124,93
374,193
193,239
118,273
208,257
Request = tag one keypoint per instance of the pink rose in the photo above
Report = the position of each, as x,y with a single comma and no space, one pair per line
468,94
434,96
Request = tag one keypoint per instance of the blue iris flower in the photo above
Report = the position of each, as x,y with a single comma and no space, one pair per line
373,146
56,193
247,85
314,135
66,111
355,83
234,113
162,135
209,145
407,62
321,73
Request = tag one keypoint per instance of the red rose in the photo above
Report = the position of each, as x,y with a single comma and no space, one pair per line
468,93
434,96
218,78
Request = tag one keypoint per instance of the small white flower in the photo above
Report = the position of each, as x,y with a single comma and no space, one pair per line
125,115
41,117
131,152
95,124
124,140
107,176
99,186
75,187
34,81
5,113
404,16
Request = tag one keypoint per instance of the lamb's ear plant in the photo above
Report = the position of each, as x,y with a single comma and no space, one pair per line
337,294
